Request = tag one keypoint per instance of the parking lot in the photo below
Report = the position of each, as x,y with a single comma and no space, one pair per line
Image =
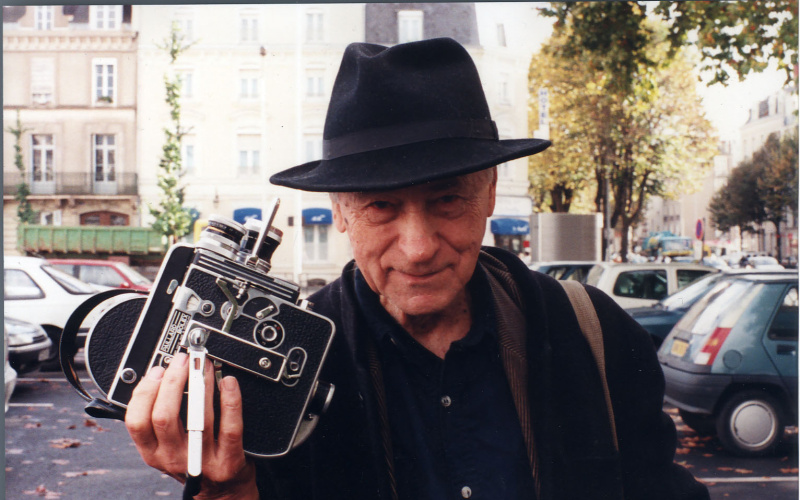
54,450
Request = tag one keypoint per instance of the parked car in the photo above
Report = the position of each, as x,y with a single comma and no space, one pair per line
764,262
9,374
565,270
661,317
36,291
638,285
28,345
730,363
104,273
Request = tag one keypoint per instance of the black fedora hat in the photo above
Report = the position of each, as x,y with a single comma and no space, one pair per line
405,115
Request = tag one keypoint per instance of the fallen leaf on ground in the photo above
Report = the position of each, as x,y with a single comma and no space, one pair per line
742,471
792,470
89,423
60,461
32,425
64,443
85,473
14,451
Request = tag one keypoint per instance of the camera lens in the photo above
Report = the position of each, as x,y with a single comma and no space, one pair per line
222,235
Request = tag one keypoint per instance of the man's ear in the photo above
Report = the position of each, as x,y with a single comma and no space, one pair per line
338,218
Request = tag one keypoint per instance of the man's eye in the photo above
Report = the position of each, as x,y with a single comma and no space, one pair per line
380,205
450,198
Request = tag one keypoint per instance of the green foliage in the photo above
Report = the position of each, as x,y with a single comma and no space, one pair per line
632,119
742,36
172,219
25,213
761,189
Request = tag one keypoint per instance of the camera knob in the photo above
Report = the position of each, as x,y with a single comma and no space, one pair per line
323,394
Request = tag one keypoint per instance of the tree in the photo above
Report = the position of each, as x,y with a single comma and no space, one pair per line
25,212
777,184
172,219
736,35
738,204
636,125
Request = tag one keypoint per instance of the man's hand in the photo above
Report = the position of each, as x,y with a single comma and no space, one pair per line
158,432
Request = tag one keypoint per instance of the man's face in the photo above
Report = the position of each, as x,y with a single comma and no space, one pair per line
417,247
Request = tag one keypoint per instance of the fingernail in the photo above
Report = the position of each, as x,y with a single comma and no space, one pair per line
229,383
155,373
181,359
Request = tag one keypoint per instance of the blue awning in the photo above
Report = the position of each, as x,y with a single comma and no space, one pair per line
510,226
242,215
317,216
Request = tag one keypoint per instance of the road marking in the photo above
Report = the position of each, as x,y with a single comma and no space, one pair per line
747,479
41,405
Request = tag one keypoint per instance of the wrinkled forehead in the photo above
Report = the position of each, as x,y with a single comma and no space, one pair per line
465,184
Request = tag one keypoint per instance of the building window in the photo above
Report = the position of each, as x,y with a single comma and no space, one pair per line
105,17
43,17
248,29
315,238
187,84
501,35
315,83
185,26
103,219
505,171
105,161
104,81
502,88
763,108
187,156
409,26
248,85
249,154
42,80
312,147
42,156
314,31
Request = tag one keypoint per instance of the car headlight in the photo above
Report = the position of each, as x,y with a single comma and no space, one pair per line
21,332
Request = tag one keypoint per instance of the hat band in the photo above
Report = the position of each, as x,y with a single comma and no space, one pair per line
401,135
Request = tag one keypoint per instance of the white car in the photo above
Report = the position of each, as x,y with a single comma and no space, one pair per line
641,285
36,292
9,375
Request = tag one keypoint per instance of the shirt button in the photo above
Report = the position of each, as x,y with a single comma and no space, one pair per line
466,492
446,401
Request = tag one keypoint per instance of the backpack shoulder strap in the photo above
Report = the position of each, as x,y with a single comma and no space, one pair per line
590,327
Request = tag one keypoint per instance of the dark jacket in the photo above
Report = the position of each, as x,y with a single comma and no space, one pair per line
556,389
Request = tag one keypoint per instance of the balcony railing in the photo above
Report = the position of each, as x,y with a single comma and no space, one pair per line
74,183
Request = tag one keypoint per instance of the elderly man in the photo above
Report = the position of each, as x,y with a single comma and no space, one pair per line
459,373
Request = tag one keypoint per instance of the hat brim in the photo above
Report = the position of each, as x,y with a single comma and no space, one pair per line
403,166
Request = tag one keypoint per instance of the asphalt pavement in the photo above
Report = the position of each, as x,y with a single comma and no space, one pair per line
55,451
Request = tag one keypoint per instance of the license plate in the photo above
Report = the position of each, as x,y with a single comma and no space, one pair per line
679,347
43,355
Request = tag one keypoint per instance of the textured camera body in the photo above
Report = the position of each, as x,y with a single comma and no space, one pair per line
256,329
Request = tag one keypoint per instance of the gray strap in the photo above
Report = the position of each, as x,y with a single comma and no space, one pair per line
590,327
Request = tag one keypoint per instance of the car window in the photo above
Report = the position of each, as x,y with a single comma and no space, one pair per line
18,285
784,324
645,284
687,276
100,275
67,268
134,275
691,293
69,283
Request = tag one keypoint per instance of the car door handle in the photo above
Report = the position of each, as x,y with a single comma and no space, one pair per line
786,349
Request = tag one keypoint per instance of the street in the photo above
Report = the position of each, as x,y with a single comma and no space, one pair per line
55,451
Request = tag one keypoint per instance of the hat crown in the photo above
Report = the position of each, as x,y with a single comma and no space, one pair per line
428,81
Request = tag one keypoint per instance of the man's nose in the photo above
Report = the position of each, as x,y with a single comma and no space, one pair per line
418,236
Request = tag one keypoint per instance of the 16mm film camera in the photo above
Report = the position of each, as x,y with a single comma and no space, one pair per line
253,325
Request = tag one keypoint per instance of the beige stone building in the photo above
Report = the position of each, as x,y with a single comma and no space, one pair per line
69,74
256,82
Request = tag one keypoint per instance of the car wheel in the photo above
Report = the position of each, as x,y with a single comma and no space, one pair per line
52,364
701,424
751,424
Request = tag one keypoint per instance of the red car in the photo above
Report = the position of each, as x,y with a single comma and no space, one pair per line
103,272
